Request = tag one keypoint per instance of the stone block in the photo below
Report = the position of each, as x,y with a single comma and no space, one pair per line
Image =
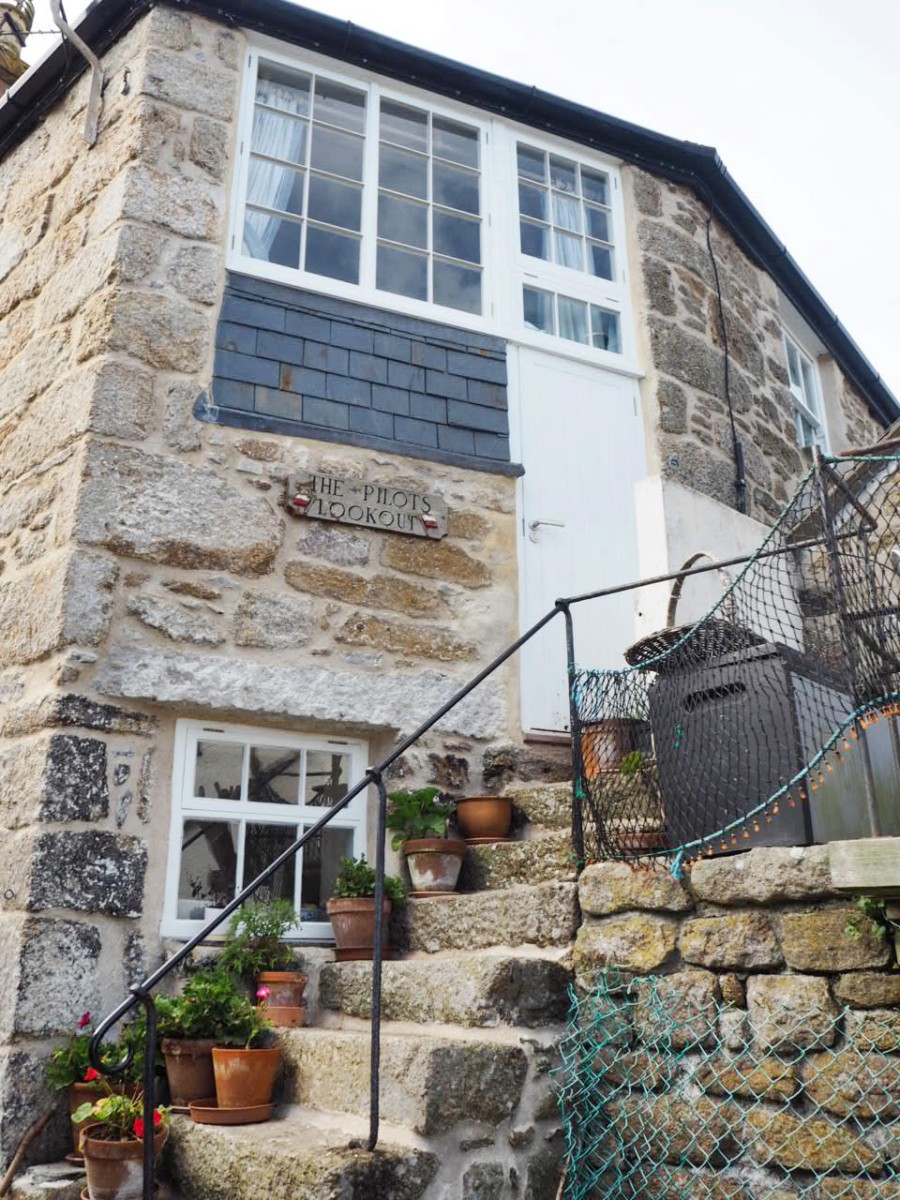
670,1129
876,1029
867,989
89,595
176,622
544,1172
58,976
89,872
739,941
484,1181
429,1084
164,332
272,621
74,783
505,864
23,1096
778,1137
189,83
655,1181
791,1012
181,429
734,1030
505,765
750,1076
49,1181
188,207
832,939
678,1010
470,991
636,943
544,915
546,805
158,509
195,271
733,990
435,560
850,1083
335,545
31,613
765,875
69,710
122,403
209,147
378,591
612,887
413,641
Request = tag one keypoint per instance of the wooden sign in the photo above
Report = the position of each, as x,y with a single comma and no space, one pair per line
374,505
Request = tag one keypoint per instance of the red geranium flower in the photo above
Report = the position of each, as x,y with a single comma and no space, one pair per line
85,1020
138,1127
91,1074
157,1117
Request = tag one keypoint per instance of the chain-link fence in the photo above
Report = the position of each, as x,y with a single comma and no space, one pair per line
756,722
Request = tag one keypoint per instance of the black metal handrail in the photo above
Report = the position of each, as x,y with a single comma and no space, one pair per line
141,993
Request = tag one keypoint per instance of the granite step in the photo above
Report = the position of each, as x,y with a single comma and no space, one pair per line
547,857
298,1154
428,1083
547,805
543,915
469,991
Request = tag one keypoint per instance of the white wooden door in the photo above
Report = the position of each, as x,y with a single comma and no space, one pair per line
582,445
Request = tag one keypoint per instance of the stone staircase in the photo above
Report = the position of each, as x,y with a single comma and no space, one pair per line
471,1015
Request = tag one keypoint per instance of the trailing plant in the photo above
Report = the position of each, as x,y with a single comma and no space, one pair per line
253,940
356,878
871,916
417,814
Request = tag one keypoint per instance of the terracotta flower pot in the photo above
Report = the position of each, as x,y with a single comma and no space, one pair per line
284,1004
189,1069
484,817
115,1169
79,1093
353,923
245,1078
434,863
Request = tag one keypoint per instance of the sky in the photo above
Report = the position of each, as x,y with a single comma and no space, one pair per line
800,97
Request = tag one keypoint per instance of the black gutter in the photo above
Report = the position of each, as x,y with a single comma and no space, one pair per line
697,167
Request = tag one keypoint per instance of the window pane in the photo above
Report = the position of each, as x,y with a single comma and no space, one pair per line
532,163
403,172
457,142
794,365
321,862
563,174
280,87
337,153
206,876
335,203
274,775
457,238
339,105
538,310
457,287
403,273
218,770
279,137
809,385
566,212
455,188
600,260
332,254
402,221
272,239
327,778
273,186
568,251
605,330
595,186
263,844
532,201
598,223
405,126
573,320
534,239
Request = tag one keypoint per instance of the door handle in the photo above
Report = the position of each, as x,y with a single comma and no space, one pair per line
533,527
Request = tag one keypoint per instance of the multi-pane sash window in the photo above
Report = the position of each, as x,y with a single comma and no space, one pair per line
243,796
574,320
429,208
805,391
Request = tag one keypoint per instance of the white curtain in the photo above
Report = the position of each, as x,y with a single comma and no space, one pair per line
270,185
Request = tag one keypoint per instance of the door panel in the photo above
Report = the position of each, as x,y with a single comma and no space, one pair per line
583,450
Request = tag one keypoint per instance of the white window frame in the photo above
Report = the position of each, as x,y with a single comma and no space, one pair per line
808,405
504,267
186,806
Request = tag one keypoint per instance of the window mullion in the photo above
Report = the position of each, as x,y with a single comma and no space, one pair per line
370,192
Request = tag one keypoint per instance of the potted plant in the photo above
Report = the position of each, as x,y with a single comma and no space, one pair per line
189,1025
484,818
419,821
245,1062
351,909
255,952
112,1142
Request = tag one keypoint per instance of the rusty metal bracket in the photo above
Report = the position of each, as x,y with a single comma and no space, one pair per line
92,117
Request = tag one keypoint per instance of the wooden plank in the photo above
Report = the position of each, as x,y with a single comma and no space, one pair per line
867,865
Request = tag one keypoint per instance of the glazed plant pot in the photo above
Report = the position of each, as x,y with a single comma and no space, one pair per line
189,1069
115,1169
284,1003
245,1078
484,818
353,923
434,864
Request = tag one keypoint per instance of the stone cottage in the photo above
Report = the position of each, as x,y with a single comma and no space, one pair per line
326,366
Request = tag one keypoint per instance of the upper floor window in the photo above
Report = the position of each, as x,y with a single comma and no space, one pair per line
804,385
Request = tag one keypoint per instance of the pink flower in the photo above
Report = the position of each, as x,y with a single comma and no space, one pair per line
85,1020
263,993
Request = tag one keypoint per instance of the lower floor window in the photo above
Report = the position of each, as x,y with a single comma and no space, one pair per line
574,320
241,797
